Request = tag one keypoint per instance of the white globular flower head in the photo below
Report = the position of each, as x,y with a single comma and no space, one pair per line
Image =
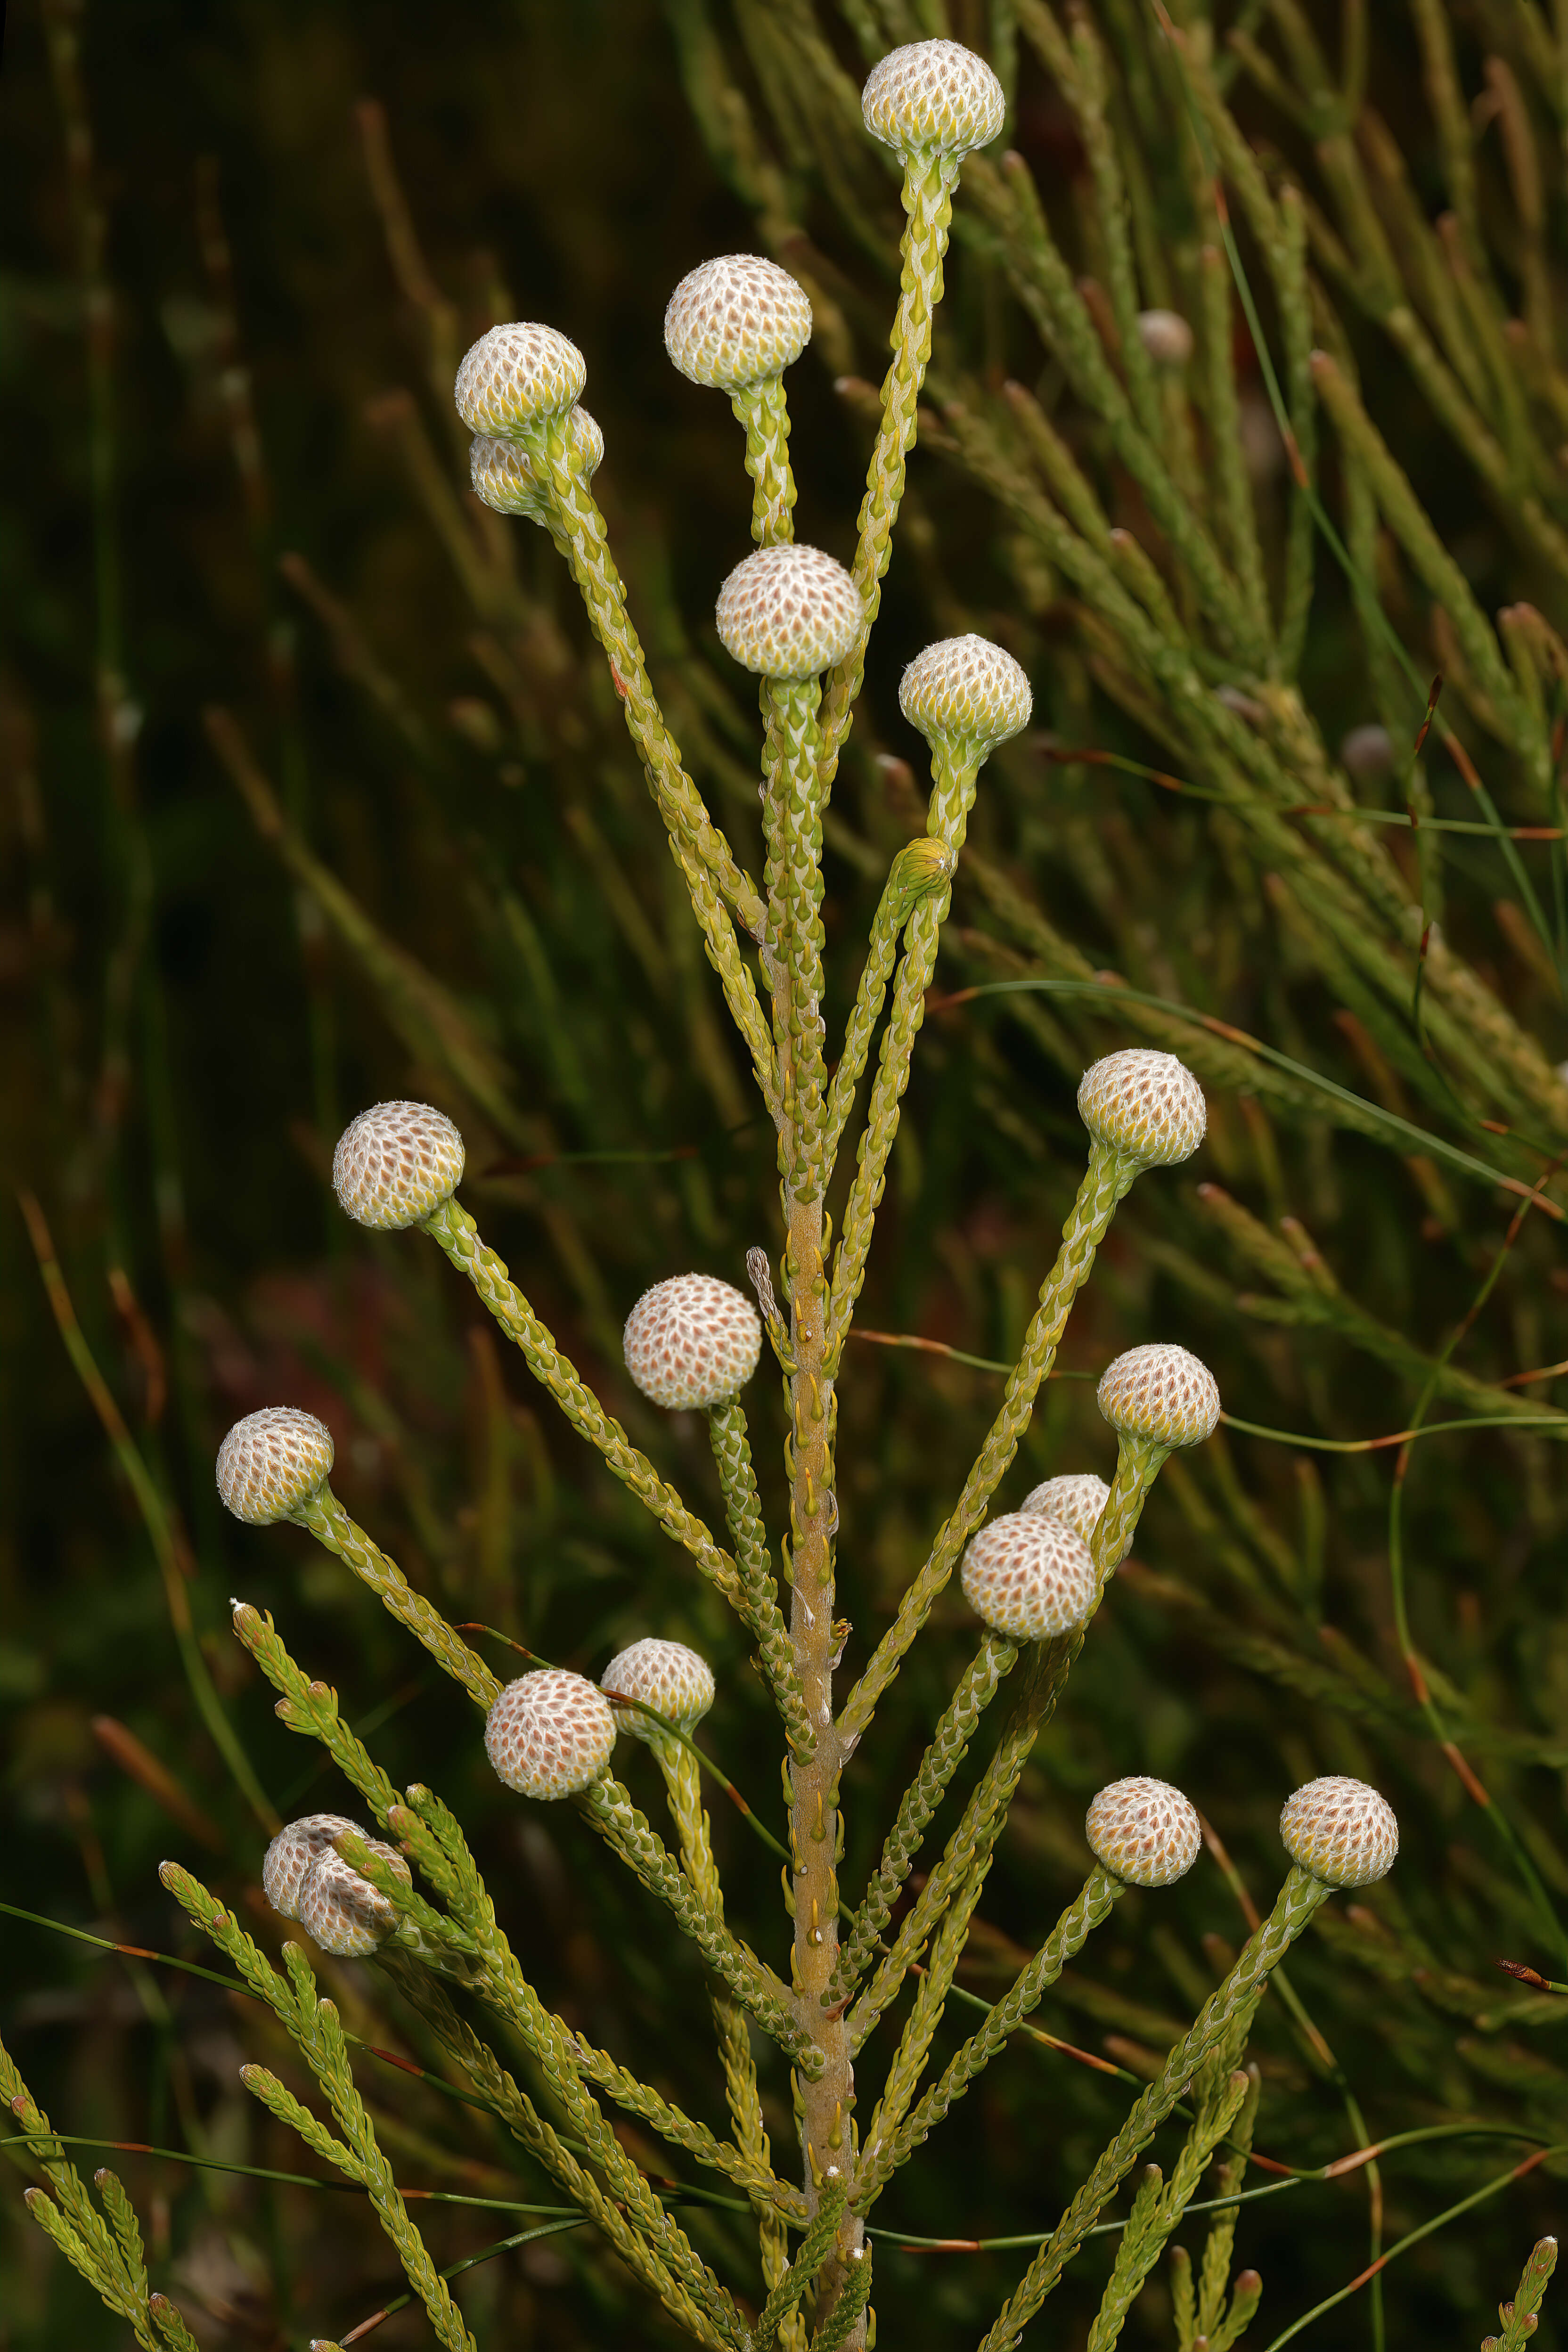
1029,1577
396,1163
789,612
1160,1393
735,321
1341,1830
1166,337
1144,1831
292,1851
965,690
305,1878
666,1676
549,1733
504,474
1077,1499
516,376
272,1462
933,97
1145,1104
693,1342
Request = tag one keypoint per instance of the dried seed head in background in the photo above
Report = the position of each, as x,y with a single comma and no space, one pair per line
549,1733
1077,1499
1341,1830
965,690
272,1462
692,1341
1144,1831
503,473
666,1676
735,321
1166,337
1029,1577
516,376
396,1162
935,96
1145,1104
789,612
1160,1392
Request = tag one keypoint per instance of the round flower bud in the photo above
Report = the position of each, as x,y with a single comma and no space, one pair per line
272,1462
692,1341
965,690
342,1912
666,1676
549,1733
1144,1831
933,95
1160,1392
1166,337
1341,1830
1077,1500
293,1851
1029,1577
1145,1104
503,473
735,321
396,1163
789,612
516,376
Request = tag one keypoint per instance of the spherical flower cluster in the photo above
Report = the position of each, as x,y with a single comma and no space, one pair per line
965,690
1145,1104
666,1676
1341,1830
692,1341
549,1733
1166,337
396,1163
736,321
304,1877
1144,1831
933,97
518,375
272,1462
1160,1393
504,474
1077,1499
1029,1578
789,612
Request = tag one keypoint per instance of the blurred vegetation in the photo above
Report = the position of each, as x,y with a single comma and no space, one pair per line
411,853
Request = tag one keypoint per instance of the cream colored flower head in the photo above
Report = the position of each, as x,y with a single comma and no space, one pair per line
272,1462
666,1676
1145,1104
735,321
504,474
549,1733
1160,1393
1029,1578
396,1163
1341,1830
1144,1831
304,1877
516,376
1077,1499
789,612
1166,337
967,691
693,1342
933,97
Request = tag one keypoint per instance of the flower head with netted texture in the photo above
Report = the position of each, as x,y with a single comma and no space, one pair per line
1341,1830
1144,1831
296,1847
516,376
549,1733
305,1878
396,1163
1077,1500
1145,1104
504,474
692,1341
735,321
1029,1577
272,1462
933,95
789,612
1160,1393
666,1676
965,690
